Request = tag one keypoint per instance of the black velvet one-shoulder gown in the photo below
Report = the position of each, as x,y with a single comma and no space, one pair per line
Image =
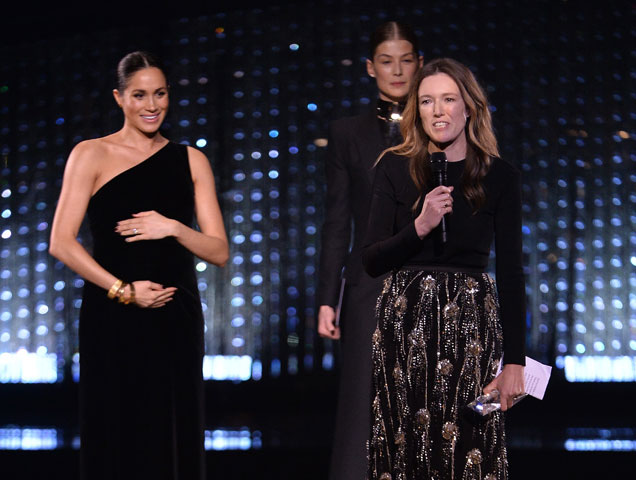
141,385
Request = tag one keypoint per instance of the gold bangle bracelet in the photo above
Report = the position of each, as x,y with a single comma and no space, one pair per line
123,299
120,293
132,293
112,293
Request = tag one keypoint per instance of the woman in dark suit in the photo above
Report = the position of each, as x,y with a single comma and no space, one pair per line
354,146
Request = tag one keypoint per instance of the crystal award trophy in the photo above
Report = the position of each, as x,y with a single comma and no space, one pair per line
535,378
487,403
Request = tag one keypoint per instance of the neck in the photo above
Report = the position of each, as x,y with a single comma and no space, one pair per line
455,150
386,98
138,139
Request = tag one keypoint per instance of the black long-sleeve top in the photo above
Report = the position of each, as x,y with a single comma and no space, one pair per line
391,241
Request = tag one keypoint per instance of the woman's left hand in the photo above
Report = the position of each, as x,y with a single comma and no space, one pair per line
510,384
146,226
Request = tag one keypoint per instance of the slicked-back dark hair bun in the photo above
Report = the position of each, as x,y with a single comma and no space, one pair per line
132,63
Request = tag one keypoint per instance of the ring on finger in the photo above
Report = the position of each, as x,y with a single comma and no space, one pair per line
135,231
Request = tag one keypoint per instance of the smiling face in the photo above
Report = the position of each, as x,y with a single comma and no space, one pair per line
393,66
443,114
144,101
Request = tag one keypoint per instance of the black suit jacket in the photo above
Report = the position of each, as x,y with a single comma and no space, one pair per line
354,146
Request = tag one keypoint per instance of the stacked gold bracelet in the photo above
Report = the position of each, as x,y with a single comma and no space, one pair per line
132,293
114,290
117,292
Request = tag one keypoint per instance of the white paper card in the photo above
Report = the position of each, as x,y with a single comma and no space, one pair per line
536,376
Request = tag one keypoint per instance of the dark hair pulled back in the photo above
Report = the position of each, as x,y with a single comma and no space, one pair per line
392,31
132,63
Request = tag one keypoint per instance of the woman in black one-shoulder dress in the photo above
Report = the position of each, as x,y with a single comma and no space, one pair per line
141,324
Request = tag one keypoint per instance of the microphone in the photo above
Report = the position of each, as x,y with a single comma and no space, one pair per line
438,166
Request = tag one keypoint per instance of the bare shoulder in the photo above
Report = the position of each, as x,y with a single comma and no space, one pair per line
197,155
99,150
87,148
199,163
86,155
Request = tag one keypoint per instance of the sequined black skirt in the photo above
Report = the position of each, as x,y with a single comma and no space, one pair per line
437,344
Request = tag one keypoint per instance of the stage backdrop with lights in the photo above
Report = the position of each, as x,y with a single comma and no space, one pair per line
255,91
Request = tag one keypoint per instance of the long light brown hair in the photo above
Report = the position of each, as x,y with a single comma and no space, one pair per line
480,137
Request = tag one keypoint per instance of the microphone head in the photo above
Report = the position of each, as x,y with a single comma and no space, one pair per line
438,161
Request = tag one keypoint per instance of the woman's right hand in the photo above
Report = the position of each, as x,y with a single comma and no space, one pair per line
437,203
327,322
151,295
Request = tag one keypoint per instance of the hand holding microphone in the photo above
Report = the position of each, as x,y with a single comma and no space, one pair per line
438,202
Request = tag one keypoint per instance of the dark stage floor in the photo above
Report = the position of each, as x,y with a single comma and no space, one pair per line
310,462
283,430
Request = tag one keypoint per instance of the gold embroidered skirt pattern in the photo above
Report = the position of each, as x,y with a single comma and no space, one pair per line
437,344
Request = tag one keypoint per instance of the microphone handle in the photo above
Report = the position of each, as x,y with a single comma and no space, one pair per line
442,181
443,223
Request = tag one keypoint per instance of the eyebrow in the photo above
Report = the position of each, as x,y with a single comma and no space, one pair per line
442,95
141,90
391,56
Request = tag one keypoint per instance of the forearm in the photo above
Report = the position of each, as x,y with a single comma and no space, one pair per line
335,244
335,241
72,254
329,281
509,271
212,249
422,227
512,301
383,255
